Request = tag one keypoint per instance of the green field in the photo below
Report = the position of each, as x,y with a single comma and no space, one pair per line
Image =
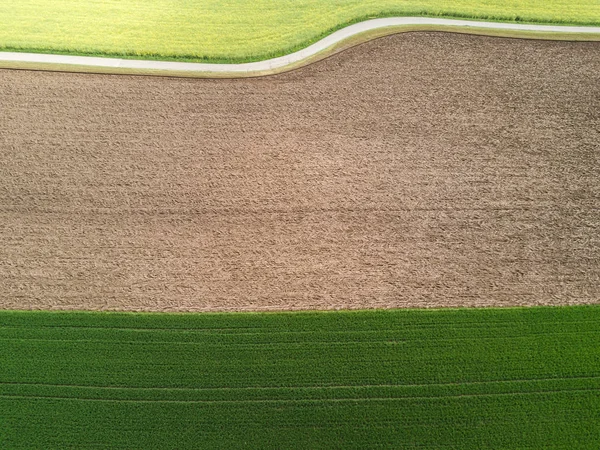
489,378
235,30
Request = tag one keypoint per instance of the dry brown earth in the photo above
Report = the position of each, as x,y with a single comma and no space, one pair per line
421,169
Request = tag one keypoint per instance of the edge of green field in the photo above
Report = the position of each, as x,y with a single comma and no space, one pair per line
576,311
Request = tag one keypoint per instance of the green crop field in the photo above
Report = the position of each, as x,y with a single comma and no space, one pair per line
235,30
490,378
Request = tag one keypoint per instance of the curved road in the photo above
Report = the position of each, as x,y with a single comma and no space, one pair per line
286,60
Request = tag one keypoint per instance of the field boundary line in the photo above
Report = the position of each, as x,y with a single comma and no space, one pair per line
368,29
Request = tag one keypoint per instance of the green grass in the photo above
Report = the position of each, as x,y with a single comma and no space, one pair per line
492,378
235,30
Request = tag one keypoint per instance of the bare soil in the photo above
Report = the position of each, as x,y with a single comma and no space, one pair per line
417,170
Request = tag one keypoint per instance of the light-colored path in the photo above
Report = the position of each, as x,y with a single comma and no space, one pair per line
293,58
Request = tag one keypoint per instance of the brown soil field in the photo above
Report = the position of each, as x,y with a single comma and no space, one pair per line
417,170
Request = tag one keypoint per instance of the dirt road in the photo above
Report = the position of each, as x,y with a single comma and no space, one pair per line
422,169
50,61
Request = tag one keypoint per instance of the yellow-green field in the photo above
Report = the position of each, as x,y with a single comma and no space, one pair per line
235,30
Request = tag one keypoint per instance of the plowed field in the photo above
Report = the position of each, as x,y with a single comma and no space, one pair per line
422,169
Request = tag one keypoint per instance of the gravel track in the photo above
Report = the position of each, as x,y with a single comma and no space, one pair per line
292,58
416,170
